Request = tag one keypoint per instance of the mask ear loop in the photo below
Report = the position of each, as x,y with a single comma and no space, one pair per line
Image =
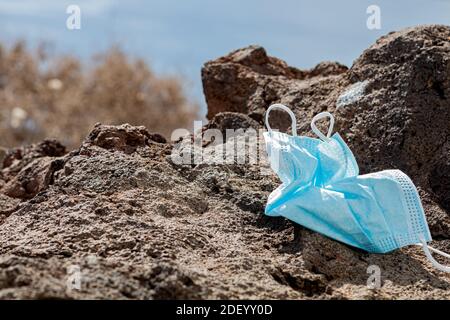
284,108
426,248
330,128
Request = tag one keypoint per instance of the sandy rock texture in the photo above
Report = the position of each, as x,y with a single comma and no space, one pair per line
137,224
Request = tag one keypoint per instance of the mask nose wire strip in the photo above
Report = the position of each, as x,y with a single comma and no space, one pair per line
330,128
284,108
426,248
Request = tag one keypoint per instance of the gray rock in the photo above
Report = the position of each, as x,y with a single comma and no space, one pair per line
139,226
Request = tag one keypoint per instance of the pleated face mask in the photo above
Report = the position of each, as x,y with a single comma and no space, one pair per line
322,190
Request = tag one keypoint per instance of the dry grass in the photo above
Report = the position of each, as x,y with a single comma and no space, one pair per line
62,99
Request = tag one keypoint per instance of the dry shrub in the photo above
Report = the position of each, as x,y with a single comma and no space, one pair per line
62,99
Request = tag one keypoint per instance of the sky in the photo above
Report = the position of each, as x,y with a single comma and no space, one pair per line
176,36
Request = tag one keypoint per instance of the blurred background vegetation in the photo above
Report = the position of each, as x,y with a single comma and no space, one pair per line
58,91
59,97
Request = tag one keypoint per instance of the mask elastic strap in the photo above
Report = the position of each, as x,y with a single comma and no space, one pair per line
284,108
330,128
426,248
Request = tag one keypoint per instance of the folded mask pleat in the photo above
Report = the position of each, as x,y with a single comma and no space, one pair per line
323,191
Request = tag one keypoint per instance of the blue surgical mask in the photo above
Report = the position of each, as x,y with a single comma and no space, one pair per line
322,190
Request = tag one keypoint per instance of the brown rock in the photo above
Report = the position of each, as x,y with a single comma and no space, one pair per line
33,178
3,152
29,170
394,105
18,158
124,138
140,226
248,80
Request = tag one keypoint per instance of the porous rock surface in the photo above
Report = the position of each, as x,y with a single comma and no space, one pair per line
392,106
137,224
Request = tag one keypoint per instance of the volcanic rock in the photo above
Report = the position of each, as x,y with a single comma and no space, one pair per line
119,218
